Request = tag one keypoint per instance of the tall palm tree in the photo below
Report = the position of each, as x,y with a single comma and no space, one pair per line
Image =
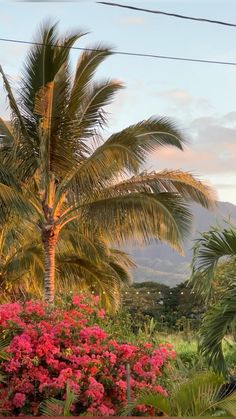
66,171
211,248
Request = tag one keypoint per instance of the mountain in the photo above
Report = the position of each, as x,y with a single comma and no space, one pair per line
159,263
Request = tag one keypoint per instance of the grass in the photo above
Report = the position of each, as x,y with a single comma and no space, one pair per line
186,347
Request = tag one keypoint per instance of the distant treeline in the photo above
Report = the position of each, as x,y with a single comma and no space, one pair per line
176,308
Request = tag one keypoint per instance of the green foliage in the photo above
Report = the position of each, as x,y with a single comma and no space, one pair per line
198,396
4,342
55,407
83,262
173,309
64,171
215,282
211,248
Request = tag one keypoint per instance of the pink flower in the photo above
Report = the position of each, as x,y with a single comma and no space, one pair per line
19,400
161,390
105,410
76,300
121,384
92,331
51,349
21,344
141,408
34,308
101,313
95,390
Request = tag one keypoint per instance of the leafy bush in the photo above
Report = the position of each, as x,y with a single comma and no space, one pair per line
51,348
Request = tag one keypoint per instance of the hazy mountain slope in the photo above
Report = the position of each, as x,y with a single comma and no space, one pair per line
160,263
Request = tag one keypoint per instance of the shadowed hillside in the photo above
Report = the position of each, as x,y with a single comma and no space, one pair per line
160,263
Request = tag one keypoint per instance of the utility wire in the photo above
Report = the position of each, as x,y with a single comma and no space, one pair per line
132,54
158,12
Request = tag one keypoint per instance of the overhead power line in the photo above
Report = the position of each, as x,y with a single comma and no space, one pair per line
128,53
159,12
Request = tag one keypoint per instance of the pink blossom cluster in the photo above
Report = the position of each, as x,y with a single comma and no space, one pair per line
52,348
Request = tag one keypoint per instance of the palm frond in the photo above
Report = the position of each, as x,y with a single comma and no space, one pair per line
227,405
159,402
198,396
13,104
86,67
207,252
123,153
143,217
6,135
55,407
175,181
4,343
76,272
44,61
15,200
91,114
215,325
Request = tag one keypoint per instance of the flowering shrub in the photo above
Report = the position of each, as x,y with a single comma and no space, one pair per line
52,347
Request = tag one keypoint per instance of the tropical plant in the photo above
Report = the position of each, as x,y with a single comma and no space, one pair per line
66,172
55,407
220,319
201,395
4,343
21,258
83,261
53,347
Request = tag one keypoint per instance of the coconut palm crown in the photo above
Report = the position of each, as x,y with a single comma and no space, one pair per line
65,171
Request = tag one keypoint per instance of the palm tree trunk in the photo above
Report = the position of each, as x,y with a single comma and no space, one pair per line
49,237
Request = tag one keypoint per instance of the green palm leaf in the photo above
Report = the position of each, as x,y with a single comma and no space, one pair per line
199,396
55,407
207,252
86,67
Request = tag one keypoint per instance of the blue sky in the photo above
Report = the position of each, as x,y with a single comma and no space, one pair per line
200,98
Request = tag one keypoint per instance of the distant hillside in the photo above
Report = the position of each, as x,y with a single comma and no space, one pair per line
160,263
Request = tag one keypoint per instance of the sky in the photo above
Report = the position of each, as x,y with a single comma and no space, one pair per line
199,98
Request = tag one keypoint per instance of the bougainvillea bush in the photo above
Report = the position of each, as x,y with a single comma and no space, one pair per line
51,348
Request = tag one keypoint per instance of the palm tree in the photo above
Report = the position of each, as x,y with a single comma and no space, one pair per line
202,395
67,172
210,249
83,262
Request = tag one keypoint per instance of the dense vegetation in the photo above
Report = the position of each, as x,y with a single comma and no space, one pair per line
70,198
76,193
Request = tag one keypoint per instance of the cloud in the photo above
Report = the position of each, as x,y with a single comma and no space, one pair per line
182,102
128,21
178,96
225,186
210,154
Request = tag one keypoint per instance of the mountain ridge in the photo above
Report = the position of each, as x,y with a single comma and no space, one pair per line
160,263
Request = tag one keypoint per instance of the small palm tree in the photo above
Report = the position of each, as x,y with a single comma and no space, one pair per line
65,171
211,248
199,396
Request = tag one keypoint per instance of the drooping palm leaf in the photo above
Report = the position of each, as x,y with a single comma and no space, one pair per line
55,407
198,396
209,249
217,322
